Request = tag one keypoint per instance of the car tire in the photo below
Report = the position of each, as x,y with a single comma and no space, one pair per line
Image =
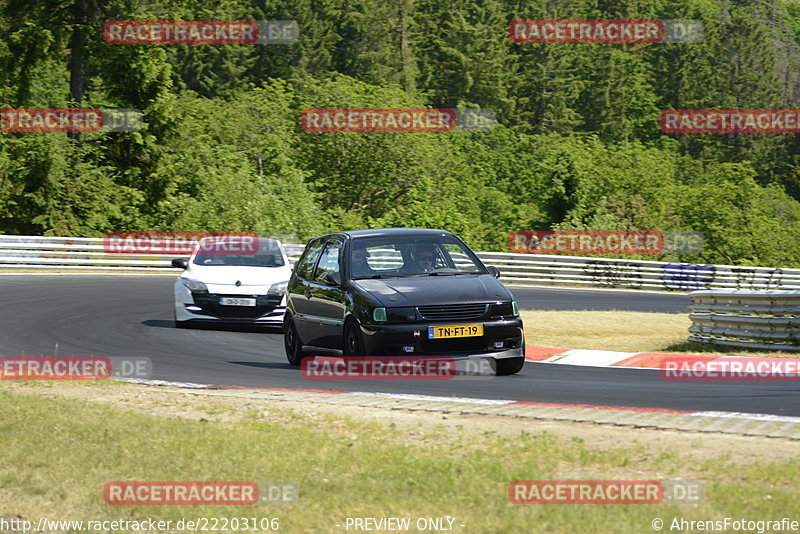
352,339
291,342
509,366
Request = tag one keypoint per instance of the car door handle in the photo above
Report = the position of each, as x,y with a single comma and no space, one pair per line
308,294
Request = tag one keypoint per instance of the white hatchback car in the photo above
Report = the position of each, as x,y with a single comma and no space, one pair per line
228,281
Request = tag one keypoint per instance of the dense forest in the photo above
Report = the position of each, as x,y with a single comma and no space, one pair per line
577,144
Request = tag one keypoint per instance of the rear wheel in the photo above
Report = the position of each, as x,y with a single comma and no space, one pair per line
291,343
353,341
509,366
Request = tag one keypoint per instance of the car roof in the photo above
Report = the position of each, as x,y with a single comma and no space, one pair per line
390,232
260,241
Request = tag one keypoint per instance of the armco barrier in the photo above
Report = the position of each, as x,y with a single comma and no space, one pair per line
745,318
87,254
636,274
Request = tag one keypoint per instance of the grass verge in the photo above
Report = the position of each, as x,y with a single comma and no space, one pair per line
59,452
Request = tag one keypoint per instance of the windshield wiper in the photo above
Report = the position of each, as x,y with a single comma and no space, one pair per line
376,276
449,273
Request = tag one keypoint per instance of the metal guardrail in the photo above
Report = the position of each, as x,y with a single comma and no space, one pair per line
636,274
753,319
88,254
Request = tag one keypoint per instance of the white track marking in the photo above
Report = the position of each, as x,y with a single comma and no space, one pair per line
432,398
590,358
753,416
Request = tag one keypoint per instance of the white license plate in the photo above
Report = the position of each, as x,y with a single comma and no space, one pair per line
233,301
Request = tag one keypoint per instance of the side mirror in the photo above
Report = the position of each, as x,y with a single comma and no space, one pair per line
180,263
333,279
494,271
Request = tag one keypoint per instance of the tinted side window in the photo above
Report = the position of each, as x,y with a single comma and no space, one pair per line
329,262
461,260
305,266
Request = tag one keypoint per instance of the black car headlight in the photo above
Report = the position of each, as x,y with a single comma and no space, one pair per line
394,315
401,315
504,309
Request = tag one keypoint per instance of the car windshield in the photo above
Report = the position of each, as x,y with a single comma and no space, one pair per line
261,253
401,256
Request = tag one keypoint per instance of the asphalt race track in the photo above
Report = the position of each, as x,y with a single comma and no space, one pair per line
131,316
540,298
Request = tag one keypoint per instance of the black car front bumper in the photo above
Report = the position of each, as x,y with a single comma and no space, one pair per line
502,338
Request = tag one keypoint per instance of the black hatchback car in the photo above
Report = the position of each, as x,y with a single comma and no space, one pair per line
400,292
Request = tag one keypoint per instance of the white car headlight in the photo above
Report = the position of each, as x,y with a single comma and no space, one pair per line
278,289
194,285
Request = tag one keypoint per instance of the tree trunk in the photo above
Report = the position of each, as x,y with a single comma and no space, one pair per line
77,48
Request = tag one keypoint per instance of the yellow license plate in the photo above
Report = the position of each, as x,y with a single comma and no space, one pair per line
455,330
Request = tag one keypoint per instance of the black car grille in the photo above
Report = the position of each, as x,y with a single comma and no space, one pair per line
211,306
452,312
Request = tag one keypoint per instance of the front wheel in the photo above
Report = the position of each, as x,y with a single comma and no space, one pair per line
353,340
509,366
291,342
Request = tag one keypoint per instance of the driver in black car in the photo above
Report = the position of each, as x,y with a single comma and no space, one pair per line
424,258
